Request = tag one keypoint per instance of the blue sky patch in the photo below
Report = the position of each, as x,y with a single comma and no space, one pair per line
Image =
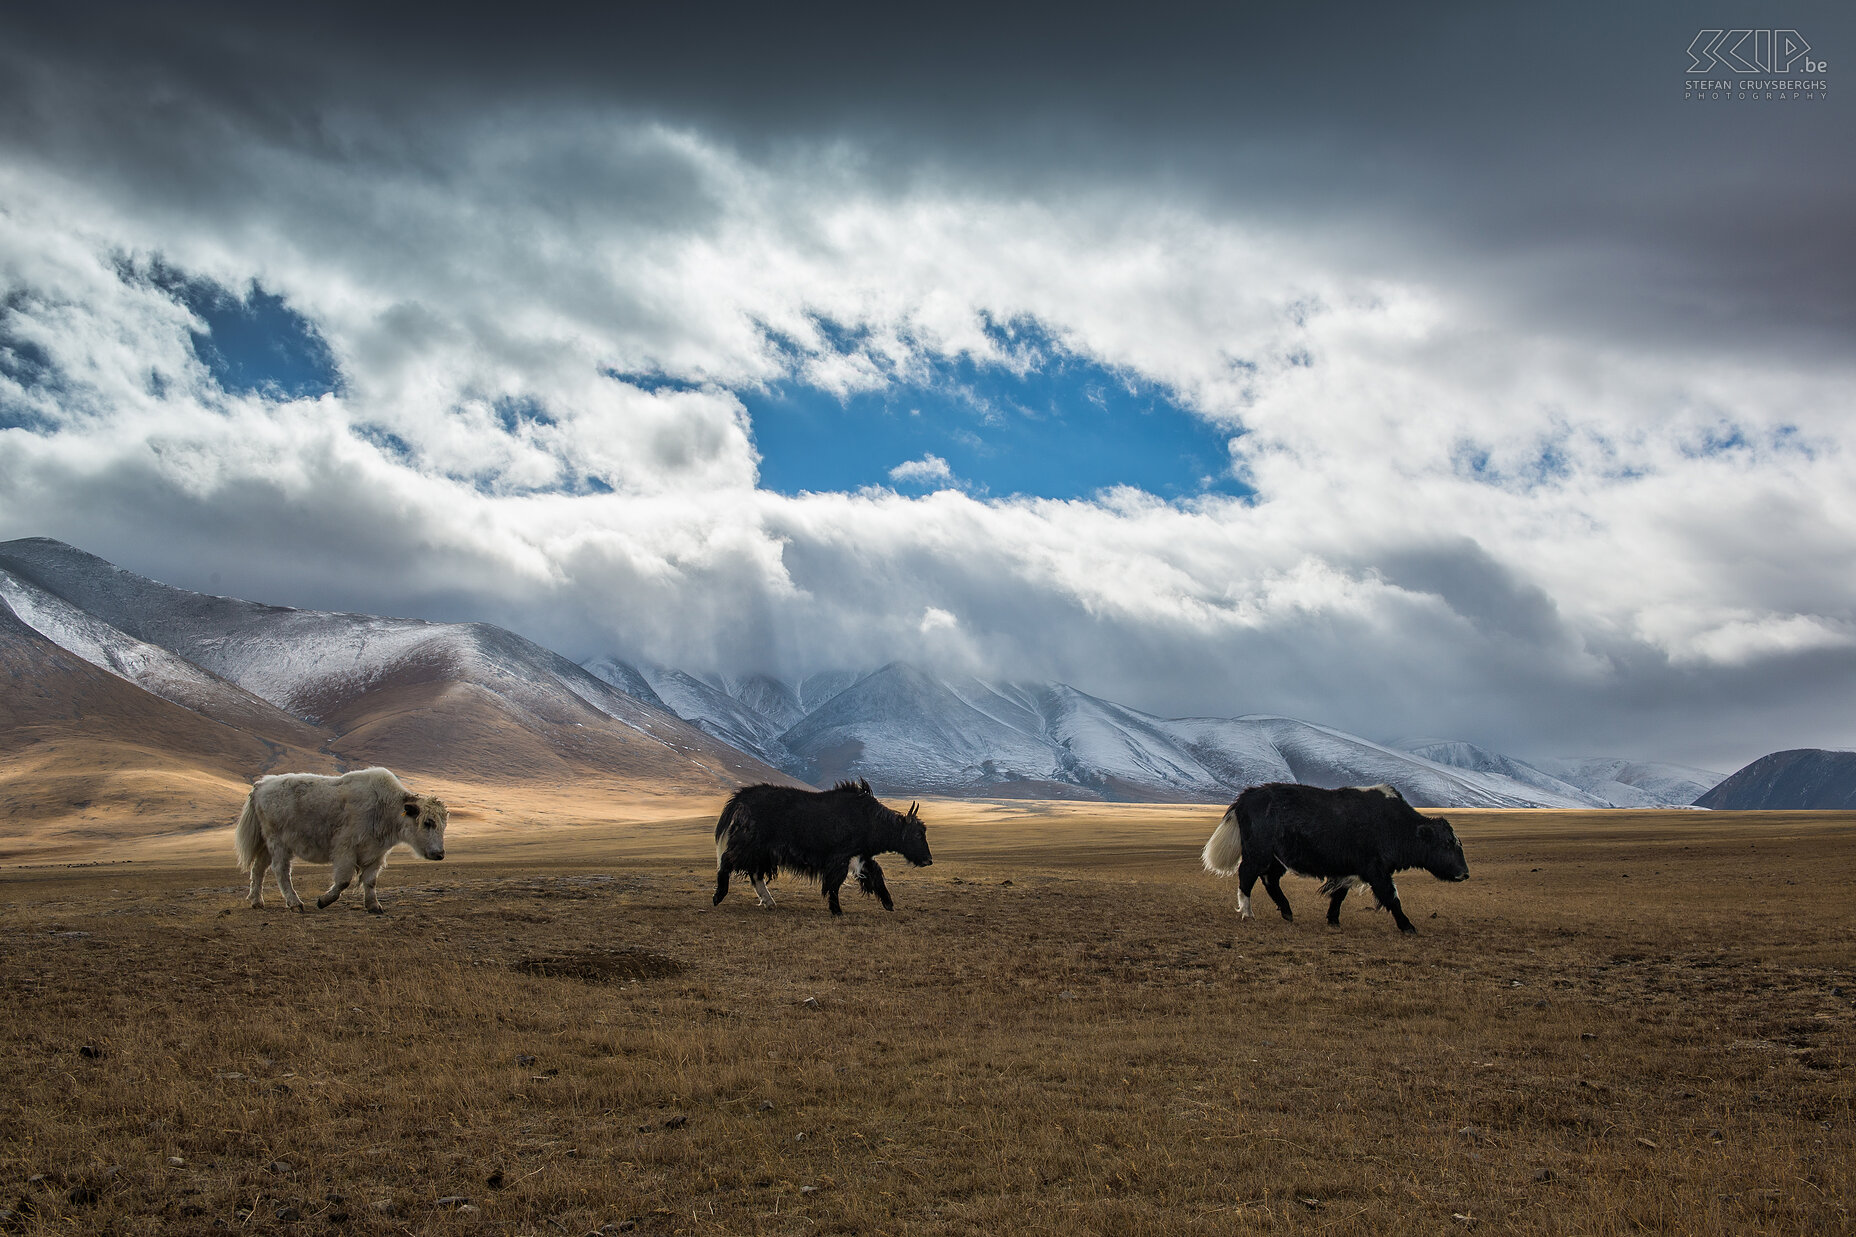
1066,427
21,360
23,363
385,440
513,414
253,344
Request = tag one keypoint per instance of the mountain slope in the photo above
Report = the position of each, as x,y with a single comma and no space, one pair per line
1631,783
83,749
735,722
907,731
1460,755
149,666
470,701
1801,779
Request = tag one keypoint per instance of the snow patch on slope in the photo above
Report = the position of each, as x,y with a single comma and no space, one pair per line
1635,783
1460,755
148,666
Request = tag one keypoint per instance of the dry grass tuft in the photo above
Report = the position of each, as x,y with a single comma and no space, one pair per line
1624,1022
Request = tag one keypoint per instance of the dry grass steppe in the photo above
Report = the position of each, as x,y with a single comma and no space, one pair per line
1624,1022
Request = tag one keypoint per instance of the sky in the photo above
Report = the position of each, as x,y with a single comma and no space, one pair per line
1439,371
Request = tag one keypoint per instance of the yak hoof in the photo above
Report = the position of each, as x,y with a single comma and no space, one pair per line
1408,930
717,900
376,910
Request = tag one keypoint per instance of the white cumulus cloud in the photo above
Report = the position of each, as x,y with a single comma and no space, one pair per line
931,469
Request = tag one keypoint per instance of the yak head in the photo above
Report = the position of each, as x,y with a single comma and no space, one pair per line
1439,852
422,825
913,845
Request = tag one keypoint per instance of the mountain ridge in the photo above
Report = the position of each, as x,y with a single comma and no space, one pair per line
910,732
476,701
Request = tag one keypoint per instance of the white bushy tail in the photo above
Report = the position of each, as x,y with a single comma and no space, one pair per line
1225,848
248,837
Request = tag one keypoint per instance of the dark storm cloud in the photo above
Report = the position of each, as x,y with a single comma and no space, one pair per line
1477,586
1542,154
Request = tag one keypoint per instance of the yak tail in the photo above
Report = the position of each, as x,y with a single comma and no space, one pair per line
248,837
726,822
1225,848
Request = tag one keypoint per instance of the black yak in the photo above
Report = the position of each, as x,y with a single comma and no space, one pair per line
825,835
1347,837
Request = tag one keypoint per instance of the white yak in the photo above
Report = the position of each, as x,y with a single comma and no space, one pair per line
351,821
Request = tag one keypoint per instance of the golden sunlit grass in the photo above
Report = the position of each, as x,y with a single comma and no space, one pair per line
1624,1022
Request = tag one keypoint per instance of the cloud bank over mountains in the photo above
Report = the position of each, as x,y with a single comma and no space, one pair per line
1518,448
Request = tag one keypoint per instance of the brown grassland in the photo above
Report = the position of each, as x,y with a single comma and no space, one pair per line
1624,1022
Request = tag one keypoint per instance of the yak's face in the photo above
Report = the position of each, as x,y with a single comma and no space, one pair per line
424,828
914,846
1443,854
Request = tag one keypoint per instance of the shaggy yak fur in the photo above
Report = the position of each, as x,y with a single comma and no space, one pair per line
351,821
1348,837
822,835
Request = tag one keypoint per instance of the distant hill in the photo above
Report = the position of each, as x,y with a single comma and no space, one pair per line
1806,778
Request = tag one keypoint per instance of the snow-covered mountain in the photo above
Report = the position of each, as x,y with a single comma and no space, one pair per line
1460,755
1604,782
1635,783
910,732
709,707
474,701
468,700
148,666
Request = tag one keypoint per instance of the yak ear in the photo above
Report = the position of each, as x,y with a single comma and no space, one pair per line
863,784
412,805
1426,833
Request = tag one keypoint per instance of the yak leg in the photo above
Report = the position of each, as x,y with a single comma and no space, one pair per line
280,865
722,873
1248,870
1272,885
259,862
832,878
1387,893
761,891
370,874
869,874
1340,895
338,881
